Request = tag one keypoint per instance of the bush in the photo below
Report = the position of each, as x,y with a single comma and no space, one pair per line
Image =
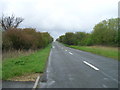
26,39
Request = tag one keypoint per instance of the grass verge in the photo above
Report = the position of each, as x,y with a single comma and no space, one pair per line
33,63
0,69
110,52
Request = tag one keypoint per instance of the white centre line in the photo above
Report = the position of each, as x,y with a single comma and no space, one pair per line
71,53
91,65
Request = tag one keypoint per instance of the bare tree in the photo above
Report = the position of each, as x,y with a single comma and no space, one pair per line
10,22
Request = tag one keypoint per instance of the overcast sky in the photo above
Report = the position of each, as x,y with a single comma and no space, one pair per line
60,16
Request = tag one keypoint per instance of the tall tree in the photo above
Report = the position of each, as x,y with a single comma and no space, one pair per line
106,32
10,22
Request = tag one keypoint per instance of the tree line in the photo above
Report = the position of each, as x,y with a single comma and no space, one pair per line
14,38
104,33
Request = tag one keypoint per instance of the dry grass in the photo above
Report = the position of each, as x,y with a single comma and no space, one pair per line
27,77
106,47
111,52
16,53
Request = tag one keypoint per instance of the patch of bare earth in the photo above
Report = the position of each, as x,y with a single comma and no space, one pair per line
27,77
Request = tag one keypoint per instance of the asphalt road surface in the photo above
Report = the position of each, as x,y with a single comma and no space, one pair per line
71,68
17,84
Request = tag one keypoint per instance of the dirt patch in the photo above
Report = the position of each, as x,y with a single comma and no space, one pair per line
27,77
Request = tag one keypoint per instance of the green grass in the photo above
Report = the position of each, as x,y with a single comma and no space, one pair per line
110,52
33,63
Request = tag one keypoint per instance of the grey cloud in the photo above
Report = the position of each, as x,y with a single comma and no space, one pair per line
60,16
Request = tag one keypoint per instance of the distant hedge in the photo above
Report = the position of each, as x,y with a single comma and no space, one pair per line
27,38
104,33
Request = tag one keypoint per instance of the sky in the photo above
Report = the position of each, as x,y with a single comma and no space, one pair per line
60,16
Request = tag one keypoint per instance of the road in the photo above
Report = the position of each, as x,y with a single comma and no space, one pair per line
17,84
71,68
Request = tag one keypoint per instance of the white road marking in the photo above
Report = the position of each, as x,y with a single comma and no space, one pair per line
104,86
105,78
91,65
53,47
65,50
52,82
36,82
71,53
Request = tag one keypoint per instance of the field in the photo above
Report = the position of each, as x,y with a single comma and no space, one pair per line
111,52
32,63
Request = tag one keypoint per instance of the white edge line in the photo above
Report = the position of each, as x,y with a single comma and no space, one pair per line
36,83
91,65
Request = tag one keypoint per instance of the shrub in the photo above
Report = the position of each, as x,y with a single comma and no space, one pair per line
27,38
